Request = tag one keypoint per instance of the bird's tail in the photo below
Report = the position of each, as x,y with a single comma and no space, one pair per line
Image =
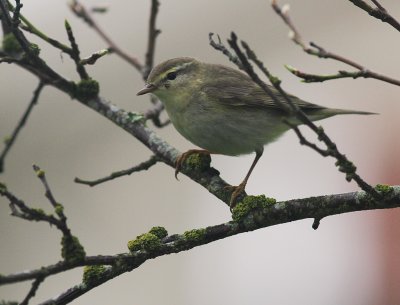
319,114
332,111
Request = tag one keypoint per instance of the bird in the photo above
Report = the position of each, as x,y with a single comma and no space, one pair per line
223,111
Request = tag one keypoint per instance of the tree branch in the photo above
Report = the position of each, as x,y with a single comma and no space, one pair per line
316,50
32,292
292,109
254,213
379,12
142,166
81,12
10,141
151,44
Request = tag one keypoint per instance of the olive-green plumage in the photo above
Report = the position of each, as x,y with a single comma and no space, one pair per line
222,110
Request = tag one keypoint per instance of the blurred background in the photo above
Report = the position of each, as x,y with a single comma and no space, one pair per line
351,259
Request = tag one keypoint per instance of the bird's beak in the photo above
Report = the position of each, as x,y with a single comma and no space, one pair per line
147,89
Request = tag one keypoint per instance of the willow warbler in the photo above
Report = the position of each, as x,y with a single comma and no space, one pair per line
222,110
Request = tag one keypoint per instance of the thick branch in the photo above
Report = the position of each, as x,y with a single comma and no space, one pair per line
248,217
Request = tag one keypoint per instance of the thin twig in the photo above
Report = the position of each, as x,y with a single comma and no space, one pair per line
142,166
343,163
32,62
48,193
23,211
316,50
32,292
91,60
218,45
303,140
81,11
29,27
20,209
75,55
379,6
151,43
17,11
10,141
379,12
12,26
154,113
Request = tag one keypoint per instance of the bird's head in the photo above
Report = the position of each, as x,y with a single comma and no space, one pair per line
172,77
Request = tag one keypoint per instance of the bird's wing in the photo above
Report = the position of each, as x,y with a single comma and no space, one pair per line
230,87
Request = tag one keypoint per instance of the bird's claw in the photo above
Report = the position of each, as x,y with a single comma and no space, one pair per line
182,158
178,164
236,192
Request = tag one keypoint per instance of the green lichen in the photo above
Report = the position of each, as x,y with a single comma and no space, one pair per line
3,187
7,139
275,80
91,274
160,232
198,162
135,117
348,168
40,212
384,189
59,209
87,89
40,173
72,250
251,204
146,241
196,235
11,45
34,48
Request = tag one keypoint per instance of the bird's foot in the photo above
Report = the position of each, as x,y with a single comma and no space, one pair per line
236,192
183,157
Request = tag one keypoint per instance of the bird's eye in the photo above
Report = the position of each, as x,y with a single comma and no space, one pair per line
171,75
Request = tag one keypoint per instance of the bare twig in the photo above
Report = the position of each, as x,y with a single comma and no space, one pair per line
342,163
29,27
154,113
35,286
142,166
48,193
151,44
32,62
81,11
379,12
305,142
10,141
218,45
21,210
75,55
17,11
12,26
91,60
316,50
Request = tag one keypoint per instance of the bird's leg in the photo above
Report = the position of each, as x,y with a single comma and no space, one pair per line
237,190
182,158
